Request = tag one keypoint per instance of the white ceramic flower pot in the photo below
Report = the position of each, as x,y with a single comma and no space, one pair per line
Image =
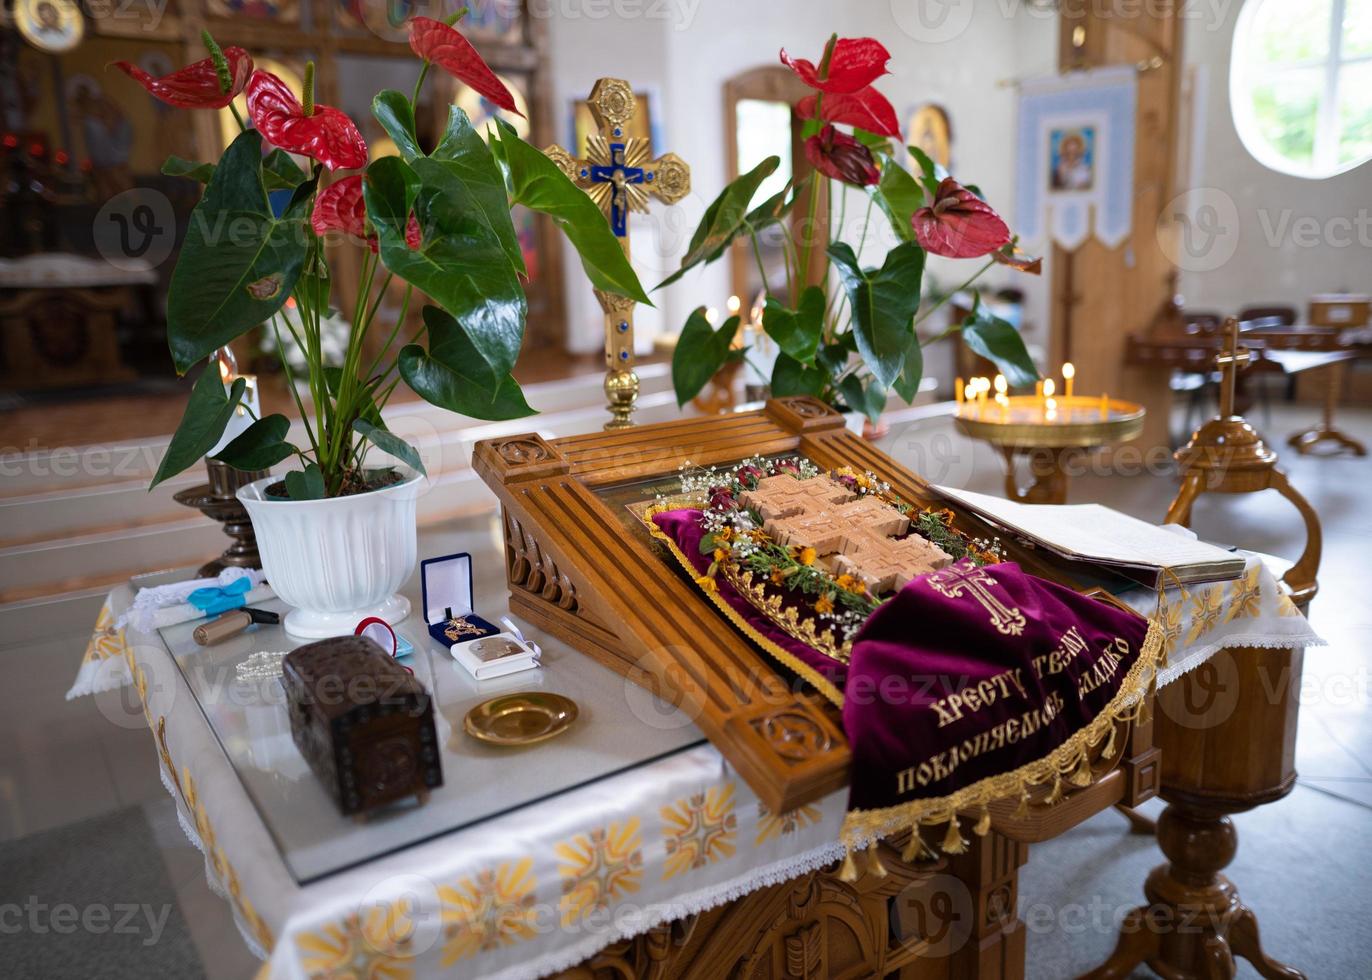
337,561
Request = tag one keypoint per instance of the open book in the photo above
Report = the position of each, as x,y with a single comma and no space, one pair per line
1100,536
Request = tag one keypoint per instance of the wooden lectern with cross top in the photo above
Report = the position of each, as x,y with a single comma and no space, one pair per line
1226,455
619,177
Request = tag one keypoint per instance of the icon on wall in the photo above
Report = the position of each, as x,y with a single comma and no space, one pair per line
931,131
54,26
1072,162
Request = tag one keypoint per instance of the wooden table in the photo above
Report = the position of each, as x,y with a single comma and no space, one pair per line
1335,365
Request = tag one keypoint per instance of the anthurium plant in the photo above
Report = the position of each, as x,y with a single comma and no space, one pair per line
436,218
852,342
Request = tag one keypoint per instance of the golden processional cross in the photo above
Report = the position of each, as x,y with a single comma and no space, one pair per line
619,177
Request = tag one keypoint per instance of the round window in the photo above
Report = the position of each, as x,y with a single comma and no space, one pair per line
1300,84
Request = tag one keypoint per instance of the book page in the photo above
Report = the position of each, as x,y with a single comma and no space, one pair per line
1094,531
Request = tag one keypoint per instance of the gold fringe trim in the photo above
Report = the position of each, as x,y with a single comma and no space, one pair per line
1070,759
813,677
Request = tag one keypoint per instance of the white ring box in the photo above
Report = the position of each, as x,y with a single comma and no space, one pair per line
447,594
483,666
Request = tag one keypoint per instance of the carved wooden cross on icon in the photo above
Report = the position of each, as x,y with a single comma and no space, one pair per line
619,177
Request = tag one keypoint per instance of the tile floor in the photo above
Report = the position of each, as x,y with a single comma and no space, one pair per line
64,761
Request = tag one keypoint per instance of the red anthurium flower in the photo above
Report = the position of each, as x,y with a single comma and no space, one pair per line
856,63
960,225
841,157
339,207
436,42
866,108
197,85
328,135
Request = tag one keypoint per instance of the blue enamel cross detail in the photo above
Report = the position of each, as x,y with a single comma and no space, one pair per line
617,174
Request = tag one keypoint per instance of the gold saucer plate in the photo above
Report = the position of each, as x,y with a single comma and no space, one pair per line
520,719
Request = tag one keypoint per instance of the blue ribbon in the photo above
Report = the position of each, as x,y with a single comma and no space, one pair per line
216,599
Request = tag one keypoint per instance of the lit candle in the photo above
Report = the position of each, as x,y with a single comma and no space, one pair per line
1050,410
1001,386
1104,406
1038,390
249,406
1068,373
734,304
959,391
1004,402
1046,389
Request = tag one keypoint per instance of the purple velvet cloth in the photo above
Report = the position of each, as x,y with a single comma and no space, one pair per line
947,677
965,673
683,527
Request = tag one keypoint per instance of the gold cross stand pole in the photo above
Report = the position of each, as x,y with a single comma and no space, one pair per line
619,176
1226,455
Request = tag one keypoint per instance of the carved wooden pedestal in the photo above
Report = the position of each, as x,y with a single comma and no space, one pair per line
1227,732
915,922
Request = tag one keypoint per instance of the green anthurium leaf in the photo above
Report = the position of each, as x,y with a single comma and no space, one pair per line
238,262
796,331
928,170
393,111
459,263
832,358
175,166
306,484
700,352
538,184
776,207
388,442
995,339
474,178
207,414
865,396
724,220
449,374
883,304
790,377
907,385
899,197
261,446
873,141
281,172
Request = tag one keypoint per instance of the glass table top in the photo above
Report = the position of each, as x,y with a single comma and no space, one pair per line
619,726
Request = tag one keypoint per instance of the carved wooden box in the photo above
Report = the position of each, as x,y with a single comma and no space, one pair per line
579,568
362,721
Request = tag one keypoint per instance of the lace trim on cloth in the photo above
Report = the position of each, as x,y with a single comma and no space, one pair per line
1070,761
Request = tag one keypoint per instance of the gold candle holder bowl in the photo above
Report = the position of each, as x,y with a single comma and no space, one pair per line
1077,422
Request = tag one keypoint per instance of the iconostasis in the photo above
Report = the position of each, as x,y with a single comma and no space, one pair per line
79,134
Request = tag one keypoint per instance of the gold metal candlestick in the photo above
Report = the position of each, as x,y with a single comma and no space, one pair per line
619,177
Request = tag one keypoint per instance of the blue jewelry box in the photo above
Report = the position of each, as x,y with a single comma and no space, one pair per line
447,593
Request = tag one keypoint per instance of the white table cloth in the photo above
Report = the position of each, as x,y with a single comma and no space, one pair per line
547,885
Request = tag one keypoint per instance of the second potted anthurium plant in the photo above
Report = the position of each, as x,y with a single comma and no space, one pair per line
849,346
337,536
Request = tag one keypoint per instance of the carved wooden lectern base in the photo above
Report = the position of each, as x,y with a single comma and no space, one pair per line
1227,732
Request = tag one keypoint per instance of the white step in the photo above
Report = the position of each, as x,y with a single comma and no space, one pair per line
134,461
172,535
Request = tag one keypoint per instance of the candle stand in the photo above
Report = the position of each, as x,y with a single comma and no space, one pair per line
217,501
1051,438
